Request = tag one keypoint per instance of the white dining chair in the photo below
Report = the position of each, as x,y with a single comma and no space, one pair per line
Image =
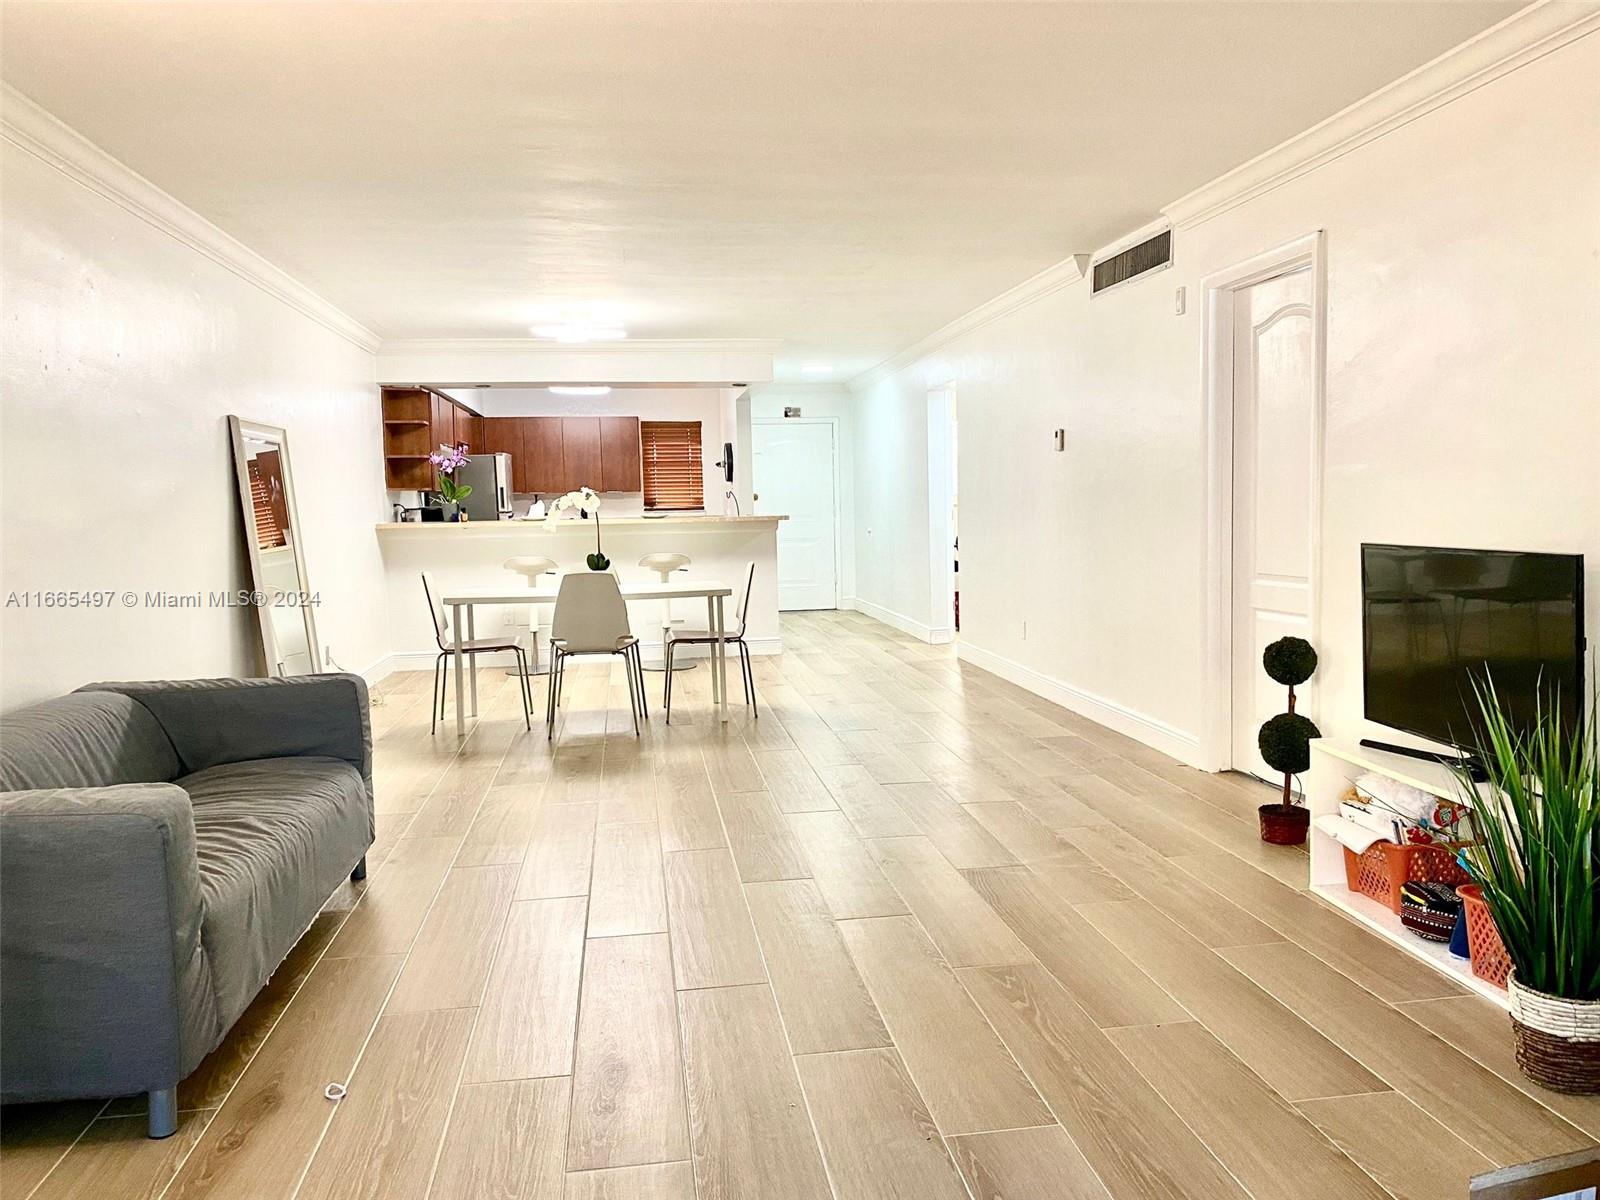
733,636
471,649
592,618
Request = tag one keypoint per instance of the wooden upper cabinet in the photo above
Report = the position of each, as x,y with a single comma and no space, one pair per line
444,421
503,435
580,453
552,455
539,469
619,455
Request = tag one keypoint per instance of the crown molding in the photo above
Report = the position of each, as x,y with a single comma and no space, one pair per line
1048,281
1521,38
628,346
797,387
39,133
447,362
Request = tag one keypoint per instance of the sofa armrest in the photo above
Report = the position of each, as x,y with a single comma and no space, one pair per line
214,721
105,987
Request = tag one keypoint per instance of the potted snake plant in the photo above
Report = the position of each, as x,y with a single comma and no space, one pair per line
1536,859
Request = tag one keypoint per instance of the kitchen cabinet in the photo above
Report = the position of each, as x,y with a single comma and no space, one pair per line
539,469
443,417
416,422
407,429
619,455
503,435
580,453
549,455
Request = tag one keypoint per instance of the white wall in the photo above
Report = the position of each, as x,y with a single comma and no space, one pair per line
835,401
123,352
1463,408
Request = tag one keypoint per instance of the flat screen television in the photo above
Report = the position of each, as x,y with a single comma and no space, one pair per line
1434,619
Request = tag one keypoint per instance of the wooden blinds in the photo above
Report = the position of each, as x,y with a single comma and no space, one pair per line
671,464
266,497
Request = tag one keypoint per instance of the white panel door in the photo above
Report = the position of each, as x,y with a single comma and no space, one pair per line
1274,414
794,475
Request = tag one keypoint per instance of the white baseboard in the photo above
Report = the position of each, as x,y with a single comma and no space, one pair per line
936,635
382,668
422,660
1179,743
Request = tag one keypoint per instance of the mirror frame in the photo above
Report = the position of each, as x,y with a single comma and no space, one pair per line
239,429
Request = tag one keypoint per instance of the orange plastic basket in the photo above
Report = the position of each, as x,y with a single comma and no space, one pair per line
1386,867
1488,953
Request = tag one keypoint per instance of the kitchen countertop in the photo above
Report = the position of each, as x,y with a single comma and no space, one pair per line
468,528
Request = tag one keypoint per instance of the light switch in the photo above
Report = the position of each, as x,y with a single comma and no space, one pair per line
1179,302
1061,440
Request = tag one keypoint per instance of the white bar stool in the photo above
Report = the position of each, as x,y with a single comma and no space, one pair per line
532,566
664,565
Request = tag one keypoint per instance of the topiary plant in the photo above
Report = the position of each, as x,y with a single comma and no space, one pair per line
1285,740
1289,661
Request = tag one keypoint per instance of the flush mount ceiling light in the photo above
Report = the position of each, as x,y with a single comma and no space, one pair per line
586,390
581,331
816,368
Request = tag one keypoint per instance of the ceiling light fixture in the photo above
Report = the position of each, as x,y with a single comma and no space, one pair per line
580,331
586,390
816,368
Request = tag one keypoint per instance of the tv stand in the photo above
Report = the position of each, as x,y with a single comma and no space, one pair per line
1473,767
1334,766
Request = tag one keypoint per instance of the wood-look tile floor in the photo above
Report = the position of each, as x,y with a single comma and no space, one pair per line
914,933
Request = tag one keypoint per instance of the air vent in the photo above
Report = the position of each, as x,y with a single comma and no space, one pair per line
1152,254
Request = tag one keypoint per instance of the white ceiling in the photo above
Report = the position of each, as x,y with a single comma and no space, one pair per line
847,177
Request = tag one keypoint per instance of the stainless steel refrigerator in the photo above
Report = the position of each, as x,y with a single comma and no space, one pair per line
490,477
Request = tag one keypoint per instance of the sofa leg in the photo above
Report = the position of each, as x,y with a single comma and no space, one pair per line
360,872
163,1112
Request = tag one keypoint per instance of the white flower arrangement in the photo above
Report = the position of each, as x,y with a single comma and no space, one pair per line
583,498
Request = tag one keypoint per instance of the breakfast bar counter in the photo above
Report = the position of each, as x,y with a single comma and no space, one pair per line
472,554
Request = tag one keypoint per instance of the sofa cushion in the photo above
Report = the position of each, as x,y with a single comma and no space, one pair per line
274,838
87,739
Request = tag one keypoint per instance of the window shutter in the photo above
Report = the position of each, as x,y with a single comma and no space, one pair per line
672,477
269,534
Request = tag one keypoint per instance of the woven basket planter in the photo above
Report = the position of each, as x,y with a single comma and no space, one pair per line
1557,1041
1284,825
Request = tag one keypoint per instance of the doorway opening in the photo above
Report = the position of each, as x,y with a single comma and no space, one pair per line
944,531
1265,340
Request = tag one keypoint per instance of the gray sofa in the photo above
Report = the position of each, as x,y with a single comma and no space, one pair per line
162,848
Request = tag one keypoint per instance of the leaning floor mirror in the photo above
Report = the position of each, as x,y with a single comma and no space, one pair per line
283,600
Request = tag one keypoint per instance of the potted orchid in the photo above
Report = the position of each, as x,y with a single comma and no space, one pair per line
586,502
447,460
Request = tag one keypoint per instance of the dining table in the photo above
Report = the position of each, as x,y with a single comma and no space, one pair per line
463,603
